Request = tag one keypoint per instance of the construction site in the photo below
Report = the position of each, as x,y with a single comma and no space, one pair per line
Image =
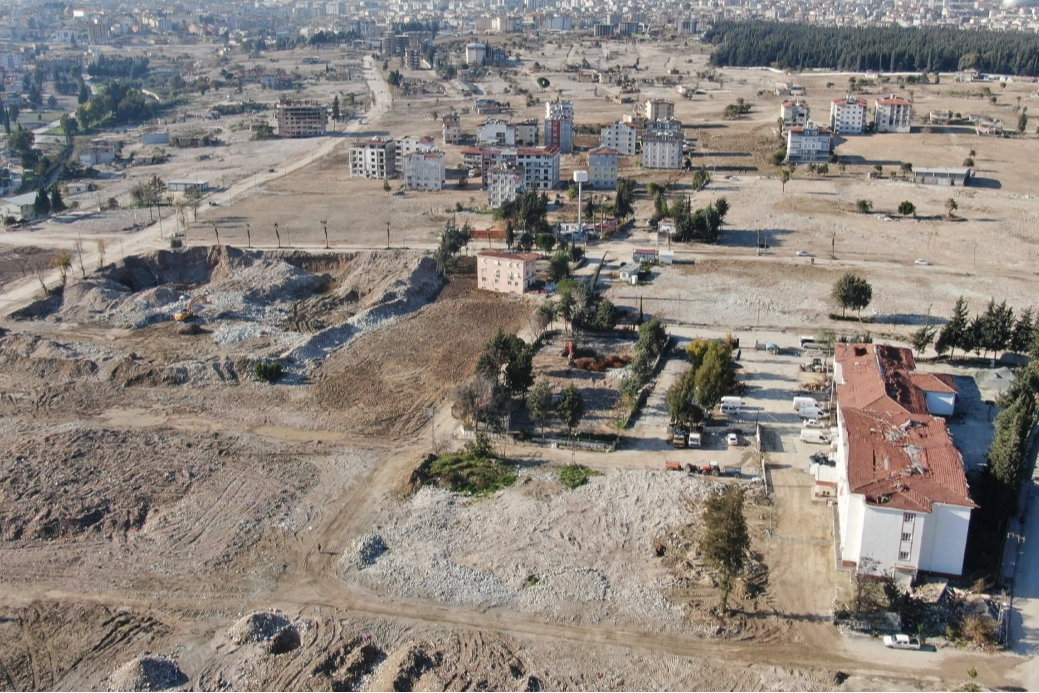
215,451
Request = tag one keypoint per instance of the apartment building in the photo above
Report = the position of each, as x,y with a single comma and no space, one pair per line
410,143
507,273
659,109
452,129
496,132
425,170
540,167
528,133
903,503
848,115
794,112
602,168
620,136
893,114
559,125
373,159
810,144
662,151
301,119
504,184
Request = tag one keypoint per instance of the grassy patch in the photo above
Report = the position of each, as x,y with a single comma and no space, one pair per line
472,473
850,318
574,475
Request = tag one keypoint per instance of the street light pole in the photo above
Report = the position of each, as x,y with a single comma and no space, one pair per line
580,177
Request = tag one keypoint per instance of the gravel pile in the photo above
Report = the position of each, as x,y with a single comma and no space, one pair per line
259,626
581,555
147,674
367,550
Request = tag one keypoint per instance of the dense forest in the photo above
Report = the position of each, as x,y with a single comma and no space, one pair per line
115,66
884,49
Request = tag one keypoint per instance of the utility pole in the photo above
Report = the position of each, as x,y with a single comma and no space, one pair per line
580,177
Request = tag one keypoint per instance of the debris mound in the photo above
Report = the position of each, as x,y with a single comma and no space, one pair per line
260,626
367,549
147,673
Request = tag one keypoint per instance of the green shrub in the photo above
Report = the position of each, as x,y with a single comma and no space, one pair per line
477,471
574,475
176,243
271,372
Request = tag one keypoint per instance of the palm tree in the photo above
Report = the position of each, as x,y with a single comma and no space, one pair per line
324,225
248,234
951,206
278,235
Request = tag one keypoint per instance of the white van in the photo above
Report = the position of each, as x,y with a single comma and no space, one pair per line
730,409
733,400
810,413
814,435
801,402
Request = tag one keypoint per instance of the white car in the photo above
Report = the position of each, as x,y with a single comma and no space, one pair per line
732,439
901,642
803,253
921,261
813,423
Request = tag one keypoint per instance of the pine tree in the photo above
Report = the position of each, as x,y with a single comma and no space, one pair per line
954,332
1024,333
726,541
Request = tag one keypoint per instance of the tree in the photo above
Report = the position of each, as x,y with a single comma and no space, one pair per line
468,398
57,204
1022,122
907,208
539,403
726,540
715,378
605,315
922,338
721,205
510,234
519,371
559,266
386,186
1024,333
70,126
681,398
851,291
784,177
335,108
950,207
624,203
571,408
864,206
953,333
543,83
42,205
545,241
63,263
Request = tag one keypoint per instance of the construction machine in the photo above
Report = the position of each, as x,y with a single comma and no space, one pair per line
189,312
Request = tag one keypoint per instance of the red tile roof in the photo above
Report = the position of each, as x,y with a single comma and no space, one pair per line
899,455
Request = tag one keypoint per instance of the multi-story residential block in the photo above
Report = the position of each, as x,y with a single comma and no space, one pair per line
504,184
602,168
496,132
301,119
810,144
373,159
848,115
794,112
508,273
528,133
662,151
475,53
893,114
619,136
669,126
452,129
540,167
425,170
903,503
660,109
559,125
410,143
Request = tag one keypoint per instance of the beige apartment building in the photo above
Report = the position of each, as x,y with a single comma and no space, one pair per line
301,119
506,273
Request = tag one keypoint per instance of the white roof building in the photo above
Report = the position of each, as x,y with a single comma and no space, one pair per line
619,136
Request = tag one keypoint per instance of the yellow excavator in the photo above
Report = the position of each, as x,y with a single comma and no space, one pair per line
189,312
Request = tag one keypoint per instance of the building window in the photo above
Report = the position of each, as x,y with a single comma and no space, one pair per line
907,536
903,555
908,517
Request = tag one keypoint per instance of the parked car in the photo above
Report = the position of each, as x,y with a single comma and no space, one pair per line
813,423
901,642
921,261
732,439
803,253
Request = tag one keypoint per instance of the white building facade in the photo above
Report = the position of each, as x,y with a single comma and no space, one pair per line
504,184
810,144
496,132
602,168
373,159
425,170
848,115
619,136
662,151
540,167
794,113
893,114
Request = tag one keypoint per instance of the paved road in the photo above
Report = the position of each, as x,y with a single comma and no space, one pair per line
1024,619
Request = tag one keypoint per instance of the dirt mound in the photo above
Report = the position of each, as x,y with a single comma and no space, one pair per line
147,674
366,551
385,380
347,666
459,662
274,631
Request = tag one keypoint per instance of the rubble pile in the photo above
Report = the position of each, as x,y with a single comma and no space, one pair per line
147,673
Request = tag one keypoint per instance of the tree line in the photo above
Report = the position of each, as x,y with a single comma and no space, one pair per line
994,330
800,46
115,103
700,389
115,66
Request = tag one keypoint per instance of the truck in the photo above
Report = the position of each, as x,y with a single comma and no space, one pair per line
732,400
814,435
810,413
